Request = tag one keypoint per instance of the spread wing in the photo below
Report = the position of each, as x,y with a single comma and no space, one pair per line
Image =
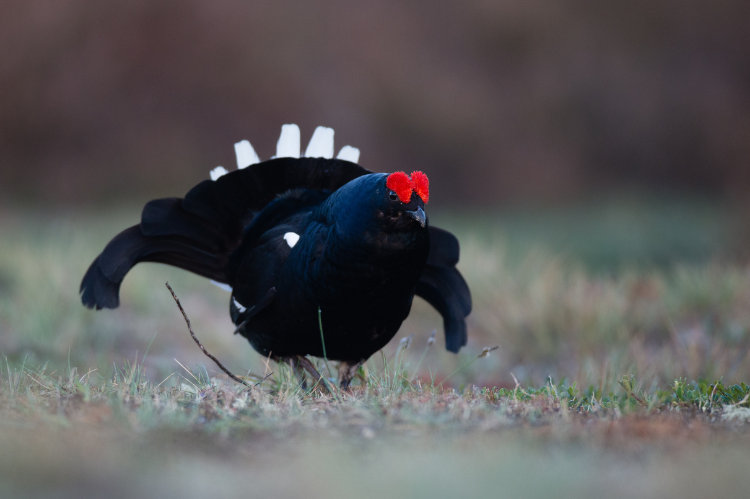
443,287
200,232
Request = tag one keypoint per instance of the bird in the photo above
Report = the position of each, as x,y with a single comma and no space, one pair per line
322,256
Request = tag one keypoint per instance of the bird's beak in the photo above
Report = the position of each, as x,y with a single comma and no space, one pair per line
418,215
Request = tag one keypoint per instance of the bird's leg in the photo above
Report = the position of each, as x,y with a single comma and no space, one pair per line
347,370
364,374
308,366
298,371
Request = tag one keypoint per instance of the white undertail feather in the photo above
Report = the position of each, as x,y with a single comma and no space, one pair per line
288,144
246,155
291,239
321,144
225,287
349,153
218,172
237,304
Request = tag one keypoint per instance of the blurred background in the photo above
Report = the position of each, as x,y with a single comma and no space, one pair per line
500,101
576,147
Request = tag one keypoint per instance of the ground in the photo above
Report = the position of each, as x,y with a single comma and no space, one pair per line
622,329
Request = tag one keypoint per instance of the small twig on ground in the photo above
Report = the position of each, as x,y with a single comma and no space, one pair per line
630,390
39,383
264,378
485,352
518,388
203,349
711,397
740,402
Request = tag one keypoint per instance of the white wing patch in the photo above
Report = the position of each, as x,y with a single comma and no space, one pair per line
349,153
225,287
246,155
321,144
217,172
288,144
291,238
240,308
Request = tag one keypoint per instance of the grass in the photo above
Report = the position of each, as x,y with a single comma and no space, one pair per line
615,376
203,435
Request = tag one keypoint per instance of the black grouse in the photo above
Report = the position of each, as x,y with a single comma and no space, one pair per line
292,236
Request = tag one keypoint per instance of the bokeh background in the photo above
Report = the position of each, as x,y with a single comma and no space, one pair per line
570,144
500,101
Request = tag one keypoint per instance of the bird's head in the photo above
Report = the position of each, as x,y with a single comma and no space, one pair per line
384,204
406,197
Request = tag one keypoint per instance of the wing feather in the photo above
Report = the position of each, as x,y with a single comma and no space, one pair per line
443,287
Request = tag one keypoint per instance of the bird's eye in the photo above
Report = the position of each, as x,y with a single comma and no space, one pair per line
393,196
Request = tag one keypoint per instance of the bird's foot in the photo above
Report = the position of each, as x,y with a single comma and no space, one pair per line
308,366
298,371
347,370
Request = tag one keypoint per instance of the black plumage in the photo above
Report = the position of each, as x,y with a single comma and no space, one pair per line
292,236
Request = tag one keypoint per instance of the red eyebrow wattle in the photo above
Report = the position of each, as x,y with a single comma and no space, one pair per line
401,184
421,185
